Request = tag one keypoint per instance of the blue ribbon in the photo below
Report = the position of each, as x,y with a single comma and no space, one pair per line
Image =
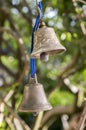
33,60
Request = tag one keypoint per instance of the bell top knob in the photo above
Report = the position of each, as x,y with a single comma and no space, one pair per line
33,80
42,24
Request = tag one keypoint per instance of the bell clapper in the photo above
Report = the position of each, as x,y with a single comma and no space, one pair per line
35,113
44,57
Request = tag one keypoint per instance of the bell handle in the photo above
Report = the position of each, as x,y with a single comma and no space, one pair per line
33,80
42,24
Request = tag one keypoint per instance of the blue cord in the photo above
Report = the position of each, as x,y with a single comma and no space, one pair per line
33,60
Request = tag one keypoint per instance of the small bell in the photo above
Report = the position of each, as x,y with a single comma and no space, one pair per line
46,42
34,98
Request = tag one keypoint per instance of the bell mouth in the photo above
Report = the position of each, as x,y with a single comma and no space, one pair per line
38,109
44,56
38,53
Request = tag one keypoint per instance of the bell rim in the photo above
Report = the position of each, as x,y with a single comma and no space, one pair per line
36,53
48,107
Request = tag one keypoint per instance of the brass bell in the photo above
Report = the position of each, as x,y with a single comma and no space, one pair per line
34,98
45,41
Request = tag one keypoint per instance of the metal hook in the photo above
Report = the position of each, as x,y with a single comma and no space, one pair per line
39,11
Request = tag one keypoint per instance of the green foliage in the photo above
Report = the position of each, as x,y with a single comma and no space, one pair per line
69,22
2,125
11,64
60,97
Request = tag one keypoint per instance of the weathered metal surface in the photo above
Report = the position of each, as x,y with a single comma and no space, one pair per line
34,98
45,40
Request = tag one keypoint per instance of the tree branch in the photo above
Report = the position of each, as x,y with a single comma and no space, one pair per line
82,119
18,7
26,4
71,65
38,121
82,1
59,110
9,122
24,125
9,46
79,18
24,53
7,69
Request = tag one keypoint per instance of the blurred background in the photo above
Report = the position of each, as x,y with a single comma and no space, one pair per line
63,76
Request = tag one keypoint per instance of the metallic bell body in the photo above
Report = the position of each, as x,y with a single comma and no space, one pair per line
45,41
34,98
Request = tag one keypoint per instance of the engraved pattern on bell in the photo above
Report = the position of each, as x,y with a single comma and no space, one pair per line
45,40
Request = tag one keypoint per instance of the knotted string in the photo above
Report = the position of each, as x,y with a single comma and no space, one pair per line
33,60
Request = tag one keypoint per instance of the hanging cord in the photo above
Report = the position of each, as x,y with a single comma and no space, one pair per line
38,18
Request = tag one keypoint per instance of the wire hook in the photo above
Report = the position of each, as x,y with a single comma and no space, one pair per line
39,10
